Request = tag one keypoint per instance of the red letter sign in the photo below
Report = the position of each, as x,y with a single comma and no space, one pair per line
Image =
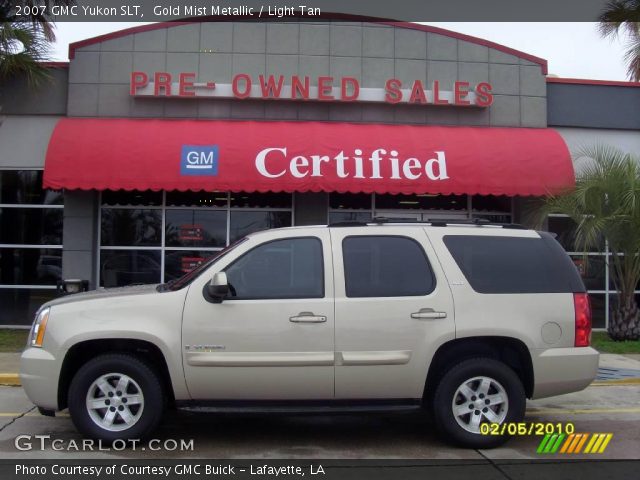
325,85
394,94
356,89
162,80
138,79
186,81
247,85
461,90
484,98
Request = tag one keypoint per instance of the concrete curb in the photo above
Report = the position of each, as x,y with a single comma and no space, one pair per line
13,380
10,379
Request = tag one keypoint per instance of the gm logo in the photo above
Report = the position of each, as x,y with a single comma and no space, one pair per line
199,160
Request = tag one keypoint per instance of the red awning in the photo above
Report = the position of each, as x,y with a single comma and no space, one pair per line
305,156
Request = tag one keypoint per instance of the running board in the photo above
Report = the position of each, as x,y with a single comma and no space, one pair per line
298,407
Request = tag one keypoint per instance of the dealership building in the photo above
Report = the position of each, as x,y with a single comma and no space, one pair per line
157,146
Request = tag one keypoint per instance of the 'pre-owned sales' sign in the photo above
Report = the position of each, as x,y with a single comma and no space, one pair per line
323,88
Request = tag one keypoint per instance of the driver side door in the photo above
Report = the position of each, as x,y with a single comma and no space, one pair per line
271,338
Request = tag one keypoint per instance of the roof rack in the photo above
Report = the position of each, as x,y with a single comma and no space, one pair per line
436,222
478,222
347,224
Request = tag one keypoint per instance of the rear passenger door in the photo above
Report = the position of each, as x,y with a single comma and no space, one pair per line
393,307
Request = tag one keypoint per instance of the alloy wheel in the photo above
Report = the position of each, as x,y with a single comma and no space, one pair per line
115,402
479,400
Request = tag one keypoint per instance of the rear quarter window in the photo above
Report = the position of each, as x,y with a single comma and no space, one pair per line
514,264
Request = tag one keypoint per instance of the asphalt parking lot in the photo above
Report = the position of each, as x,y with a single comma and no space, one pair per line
408,435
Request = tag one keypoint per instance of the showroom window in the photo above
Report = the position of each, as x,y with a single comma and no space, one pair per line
593,267
362,207
151,237
30,244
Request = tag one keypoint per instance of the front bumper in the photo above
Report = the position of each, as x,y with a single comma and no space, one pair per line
39,373
563,370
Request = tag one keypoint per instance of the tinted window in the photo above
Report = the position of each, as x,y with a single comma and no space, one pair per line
511,265
19,305
385,267
195,228
126,227
30,266
25,186
261,200
127,267
244,223
133,197
31,226
181,262
289,268
197,199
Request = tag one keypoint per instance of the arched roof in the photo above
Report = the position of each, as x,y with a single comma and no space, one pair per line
412,26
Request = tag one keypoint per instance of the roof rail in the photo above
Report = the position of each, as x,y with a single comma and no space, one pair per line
443,222
436,222
394,220
347,224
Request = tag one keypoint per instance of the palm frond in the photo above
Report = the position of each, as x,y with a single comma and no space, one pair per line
632,58
619,15
41,21
605,204
22,48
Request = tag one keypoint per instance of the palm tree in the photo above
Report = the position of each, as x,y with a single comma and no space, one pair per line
22,48
623,16
606,204
25,41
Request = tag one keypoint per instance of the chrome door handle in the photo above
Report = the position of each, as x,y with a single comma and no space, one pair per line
428,313
308,317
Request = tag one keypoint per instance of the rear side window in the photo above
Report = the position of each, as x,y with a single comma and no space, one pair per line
385,266
511,264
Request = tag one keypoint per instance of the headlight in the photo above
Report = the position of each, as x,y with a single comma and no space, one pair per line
39,327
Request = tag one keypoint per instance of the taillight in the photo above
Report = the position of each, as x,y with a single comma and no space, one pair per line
583,319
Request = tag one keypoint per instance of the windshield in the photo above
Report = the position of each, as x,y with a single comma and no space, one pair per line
187,278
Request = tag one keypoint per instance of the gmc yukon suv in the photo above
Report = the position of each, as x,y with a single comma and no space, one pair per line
467,321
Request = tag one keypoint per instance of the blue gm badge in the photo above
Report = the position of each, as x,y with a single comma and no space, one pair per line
199,160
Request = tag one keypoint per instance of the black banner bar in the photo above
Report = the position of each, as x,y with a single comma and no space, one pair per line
316,469
280,10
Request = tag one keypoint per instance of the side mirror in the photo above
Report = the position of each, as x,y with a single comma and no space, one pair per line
218,287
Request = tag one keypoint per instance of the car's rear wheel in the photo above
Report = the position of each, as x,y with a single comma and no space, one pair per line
476,392
116,396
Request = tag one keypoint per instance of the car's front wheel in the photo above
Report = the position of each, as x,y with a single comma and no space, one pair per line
116,396
476,392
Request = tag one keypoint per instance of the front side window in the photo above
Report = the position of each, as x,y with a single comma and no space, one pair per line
385,266
291,268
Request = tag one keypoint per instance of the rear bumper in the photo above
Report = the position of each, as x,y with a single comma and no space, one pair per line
563,370
39,372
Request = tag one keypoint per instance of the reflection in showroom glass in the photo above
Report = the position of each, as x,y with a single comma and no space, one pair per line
128,267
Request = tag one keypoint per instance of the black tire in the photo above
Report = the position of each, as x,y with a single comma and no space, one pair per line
147,414
446,393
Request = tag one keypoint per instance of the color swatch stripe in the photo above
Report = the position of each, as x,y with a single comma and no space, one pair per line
582,441
606,442
573,444
543,443
566,444
590,444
